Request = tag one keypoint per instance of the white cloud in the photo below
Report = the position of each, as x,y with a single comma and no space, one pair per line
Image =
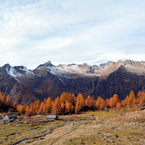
53,43
8,42
33,32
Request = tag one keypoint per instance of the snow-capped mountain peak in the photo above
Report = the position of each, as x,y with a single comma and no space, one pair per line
68,70
12,72
18,71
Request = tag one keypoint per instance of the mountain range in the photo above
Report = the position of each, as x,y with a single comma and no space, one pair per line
48,80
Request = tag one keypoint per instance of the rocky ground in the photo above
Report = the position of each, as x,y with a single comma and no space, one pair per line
89,128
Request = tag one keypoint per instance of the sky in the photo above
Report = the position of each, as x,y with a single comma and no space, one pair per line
33,32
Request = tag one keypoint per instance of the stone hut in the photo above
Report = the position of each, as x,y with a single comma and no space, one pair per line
1,117
10,116
53,117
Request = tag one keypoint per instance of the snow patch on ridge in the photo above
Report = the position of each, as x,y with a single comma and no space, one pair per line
64,70
72,70
27,71
12,72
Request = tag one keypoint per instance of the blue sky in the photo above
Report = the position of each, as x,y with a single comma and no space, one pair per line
71,31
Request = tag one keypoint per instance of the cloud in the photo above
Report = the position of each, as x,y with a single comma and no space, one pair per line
33,32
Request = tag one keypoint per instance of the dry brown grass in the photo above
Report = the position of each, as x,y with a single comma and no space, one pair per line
88,128
109,128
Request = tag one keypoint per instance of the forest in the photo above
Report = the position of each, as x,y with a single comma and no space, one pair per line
68,103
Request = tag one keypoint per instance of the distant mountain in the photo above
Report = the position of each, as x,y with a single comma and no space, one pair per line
25,85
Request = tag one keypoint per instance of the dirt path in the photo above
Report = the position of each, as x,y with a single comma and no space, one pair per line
26,140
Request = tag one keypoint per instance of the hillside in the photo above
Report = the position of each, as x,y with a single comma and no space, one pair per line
93,127
48,80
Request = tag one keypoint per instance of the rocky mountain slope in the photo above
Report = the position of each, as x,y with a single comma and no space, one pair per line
46,80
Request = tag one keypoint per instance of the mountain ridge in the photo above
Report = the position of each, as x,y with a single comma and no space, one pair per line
73,68
50,80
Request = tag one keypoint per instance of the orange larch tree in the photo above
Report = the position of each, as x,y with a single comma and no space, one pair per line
48,105
68,107
118,105
63,97
80,102
141,99
21,108
89,102
130,99
41,108
100,103
112,102
56,106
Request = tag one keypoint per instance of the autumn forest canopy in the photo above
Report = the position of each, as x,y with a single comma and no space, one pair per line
68,103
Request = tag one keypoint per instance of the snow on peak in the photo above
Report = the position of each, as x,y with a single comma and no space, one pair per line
65,70
26,71
12,72
68,70
18,71
105,66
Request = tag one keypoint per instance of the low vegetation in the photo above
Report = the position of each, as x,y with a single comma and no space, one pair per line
92,127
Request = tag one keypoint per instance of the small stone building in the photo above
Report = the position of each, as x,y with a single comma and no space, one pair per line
53,117
10,116
1,117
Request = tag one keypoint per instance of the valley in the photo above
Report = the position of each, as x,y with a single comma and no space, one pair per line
99,105
72,72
